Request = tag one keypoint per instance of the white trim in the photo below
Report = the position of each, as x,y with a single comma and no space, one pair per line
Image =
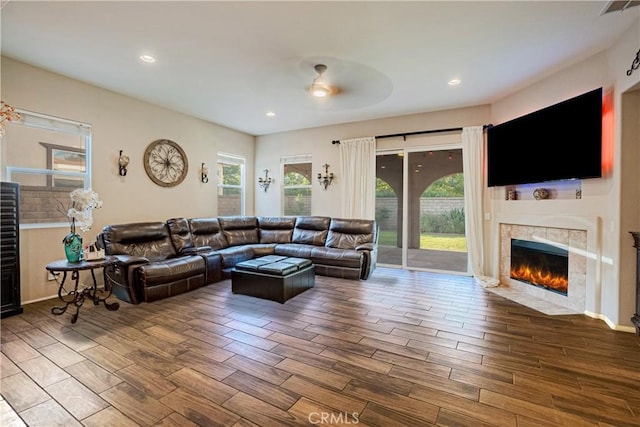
48,122
231,159
610,324
17,169
297,158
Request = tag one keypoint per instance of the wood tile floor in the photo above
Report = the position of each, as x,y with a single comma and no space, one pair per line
400,349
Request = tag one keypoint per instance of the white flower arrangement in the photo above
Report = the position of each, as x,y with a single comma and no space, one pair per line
83,202
7,114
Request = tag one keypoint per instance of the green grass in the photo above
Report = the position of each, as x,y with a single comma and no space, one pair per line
444,242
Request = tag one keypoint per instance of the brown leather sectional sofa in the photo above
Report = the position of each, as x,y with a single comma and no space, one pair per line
160,259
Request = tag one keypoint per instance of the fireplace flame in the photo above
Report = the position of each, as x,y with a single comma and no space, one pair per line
540,277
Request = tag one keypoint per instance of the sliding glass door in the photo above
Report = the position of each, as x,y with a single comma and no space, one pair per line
389,207
420,209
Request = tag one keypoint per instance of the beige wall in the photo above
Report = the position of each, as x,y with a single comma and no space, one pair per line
118,123
627,102
317,142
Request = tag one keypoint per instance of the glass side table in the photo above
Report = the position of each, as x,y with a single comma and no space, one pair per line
71,295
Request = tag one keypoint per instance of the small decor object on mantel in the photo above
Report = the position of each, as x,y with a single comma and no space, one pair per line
80,213
541,193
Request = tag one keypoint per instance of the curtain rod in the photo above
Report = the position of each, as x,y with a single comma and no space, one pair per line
421,132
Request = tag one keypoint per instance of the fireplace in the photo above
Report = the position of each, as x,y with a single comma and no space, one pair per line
540,264
578,235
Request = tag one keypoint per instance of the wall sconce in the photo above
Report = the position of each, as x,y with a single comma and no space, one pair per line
266,181
326,179
123,162
204,174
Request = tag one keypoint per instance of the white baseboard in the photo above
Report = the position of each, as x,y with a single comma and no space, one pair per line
610,324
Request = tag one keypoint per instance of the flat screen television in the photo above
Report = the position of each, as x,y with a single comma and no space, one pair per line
560,142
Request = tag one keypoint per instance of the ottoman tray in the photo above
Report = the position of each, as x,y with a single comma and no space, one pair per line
276,278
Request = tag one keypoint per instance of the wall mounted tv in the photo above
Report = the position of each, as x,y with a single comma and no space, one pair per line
560,142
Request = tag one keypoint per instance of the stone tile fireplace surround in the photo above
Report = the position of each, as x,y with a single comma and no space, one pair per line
579,235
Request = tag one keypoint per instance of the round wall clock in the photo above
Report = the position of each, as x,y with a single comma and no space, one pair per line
166,163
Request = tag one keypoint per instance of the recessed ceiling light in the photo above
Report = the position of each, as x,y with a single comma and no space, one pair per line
270,114
148,58
454,82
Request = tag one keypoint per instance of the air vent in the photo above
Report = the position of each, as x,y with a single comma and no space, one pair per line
619,5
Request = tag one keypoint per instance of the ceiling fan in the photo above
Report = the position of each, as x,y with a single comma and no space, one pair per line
319,87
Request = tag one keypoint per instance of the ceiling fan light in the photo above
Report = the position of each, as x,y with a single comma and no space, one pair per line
319,88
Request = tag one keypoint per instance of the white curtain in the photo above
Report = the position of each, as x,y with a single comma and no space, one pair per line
358,177
472,147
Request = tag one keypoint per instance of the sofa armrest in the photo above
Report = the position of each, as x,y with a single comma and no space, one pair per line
122,278
211,259
365,247
128,260
213,264
370,252
196,251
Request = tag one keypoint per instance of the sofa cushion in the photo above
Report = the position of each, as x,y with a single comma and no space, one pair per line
171,270
294,250
240,230
311,230
150,240
235,254
337,257
350,233
207,232
180,234
263,249
276,236
278,229
276,222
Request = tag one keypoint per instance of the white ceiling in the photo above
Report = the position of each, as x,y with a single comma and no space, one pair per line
231,62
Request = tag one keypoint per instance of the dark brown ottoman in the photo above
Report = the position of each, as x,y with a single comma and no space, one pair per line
273,277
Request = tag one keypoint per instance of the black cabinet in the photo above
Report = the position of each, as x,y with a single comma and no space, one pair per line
10,249
636,317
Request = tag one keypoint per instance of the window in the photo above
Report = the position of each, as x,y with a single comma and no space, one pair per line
230,185
49,157
63,158
296,185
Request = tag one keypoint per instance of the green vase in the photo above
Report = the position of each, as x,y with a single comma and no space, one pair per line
73,247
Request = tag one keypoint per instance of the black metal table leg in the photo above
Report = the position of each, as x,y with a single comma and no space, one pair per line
77,297
68,298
